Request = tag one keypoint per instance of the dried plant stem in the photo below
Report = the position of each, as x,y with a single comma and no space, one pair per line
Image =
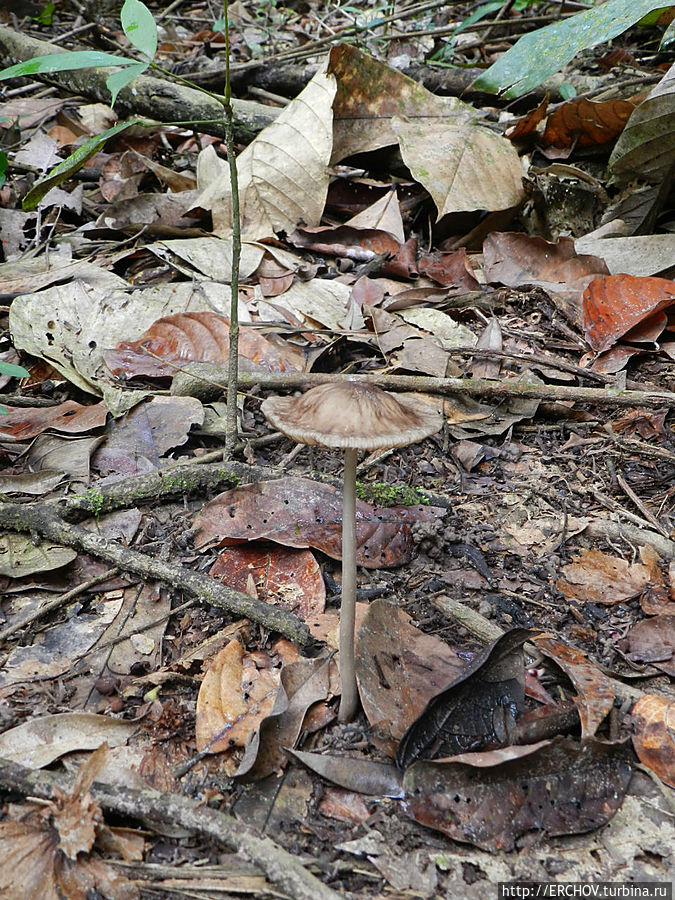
233,359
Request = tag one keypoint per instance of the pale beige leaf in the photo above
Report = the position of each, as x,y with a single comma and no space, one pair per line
464,166
283,173
38,742
384,214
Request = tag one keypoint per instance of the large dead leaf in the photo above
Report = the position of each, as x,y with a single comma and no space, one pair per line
399,669
298,512
39,741
304,683
646,146
68,417
615,304
519,259
478,708
370,93
20,556
652,641
586,123
136,442
561,788
595,695
172,341
283,172
211,256
464,166
238,691
71,325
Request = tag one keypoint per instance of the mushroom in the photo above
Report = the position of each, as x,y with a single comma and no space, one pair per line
352,415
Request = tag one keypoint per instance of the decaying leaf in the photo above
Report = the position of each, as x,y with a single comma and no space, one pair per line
560,788
595,695
476,709
235,696
290,578
654,735
399,669
599,578
298,512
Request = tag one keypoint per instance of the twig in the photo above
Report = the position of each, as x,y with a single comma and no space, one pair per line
474,387
42,519
649,516
148,806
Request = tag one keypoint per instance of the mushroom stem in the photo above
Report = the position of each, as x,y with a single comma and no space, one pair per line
350,696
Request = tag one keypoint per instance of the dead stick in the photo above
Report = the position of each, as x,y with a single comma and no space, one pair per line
279,866
185,383
43,520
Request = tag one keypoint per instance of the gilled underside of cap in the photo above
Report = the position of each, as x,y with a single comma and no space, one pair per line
352,415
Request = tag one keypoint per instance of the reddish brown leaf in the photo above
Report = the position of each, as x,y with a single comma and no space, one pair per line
359,244
656,601
289,578
517,259
193,337
654,735
298,512
527,126
614,304
600,578
345,806
652,641
586,123
68,417
595,693
399,669
561,788
451,269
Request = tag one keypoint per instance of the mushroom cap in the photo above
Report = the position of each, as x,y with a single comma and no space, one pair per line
353,414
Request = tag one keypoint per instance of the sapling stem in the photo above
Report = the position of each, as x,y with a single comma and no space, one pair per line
233,360
350,697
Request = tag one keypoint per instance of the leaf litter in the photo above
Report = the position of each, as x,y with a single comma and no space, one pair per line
515,543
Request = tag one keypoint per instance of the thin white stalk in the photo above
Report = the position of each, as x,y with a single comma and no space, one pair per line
350,696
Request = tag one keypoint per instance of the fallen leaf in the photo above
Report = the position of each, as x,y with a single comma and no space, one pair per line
290,578
399,669
560,788
652,641
615,304
476,709
172,341
595,695
654,735
234,697
299,512
68,417
596,577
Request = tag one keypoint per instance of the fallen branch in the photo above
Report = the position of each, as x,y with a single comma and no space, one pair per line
279,866
187,383
43,520
156,98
